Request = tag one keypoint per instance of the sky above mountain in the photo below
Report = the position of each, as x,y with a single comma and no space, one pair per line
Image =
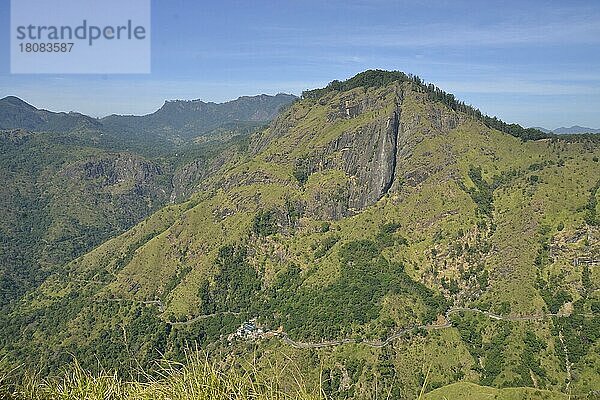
535,62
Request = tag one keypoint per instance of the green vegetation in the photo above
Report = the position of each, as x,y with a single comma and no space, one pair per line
301,171
72,182
530,363
61,199
579,334
483,192
196,379
295,226
495,361
264,223
354,298
471,391
387,236
366,79
591,215
236,283
200,379
325,245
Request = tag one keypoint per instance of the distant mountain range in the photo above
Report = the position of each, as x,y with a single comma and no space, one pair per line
176,121
189,119
575,129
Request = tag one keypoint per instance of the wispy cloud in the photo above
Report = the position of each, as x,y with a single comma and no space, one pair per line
446,34
538,26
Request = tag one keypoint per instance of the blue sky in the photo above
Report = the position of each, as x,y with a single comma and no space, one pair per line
531,62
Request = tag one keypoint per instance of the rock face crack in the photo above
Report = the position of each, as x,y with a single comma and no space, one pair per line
370,160
393,130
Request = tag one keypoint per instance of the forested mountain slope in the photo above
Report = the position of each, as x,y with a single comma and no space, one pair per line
385,231
71,182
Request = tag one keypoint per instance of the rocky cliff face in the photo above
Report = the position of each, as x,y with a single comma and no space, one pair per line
121,174
188,179
92,198
118,169
368,157
378,131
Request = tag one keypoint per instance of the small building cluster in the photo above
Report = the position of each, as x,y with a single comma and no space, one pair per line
250,330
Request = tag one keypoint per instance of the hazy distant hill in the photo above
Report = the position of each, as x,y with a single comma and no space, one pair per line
183,120
171,126
576,129
542,129
17,114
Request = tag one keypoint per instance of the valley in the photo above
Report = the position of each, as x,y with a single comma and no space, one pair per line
72,181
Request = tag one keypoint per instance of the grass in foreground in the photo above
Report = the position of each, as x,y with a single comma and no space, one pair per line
197,379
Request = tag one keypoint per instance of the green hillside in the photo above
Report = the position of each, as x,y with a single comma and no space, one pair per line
60,198
71,182
387,238
468,391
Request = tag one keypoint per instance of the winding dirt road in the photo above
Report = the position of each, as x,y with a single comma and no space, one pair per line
381,343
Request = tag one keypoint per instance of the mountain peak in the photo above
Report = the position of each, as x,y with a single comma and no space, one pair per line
14,101
186,119
16,113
